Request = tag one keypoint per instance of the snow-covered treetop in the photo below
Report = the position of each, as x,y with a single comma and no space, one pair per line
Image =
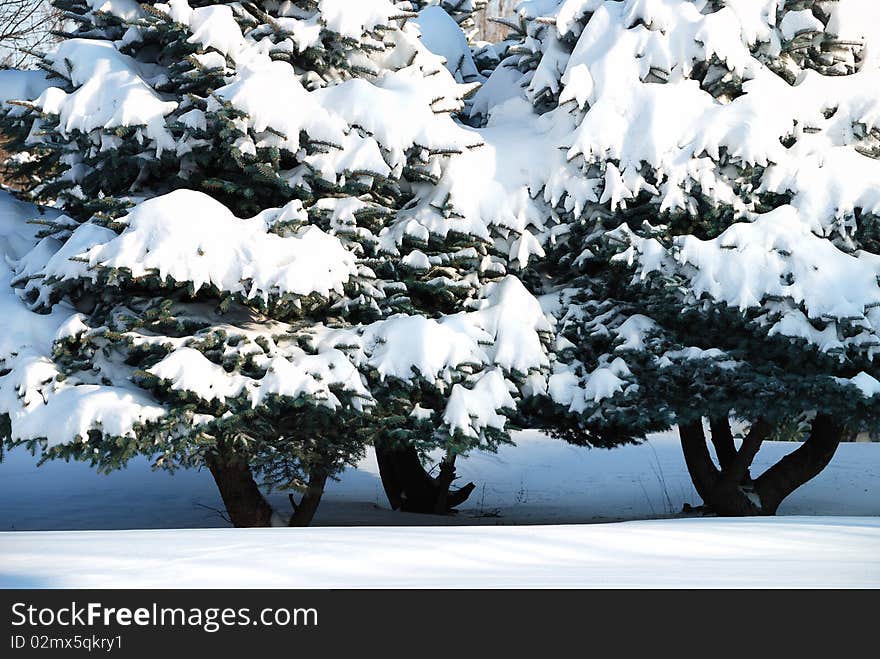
697,78
241,124
173,61
725,161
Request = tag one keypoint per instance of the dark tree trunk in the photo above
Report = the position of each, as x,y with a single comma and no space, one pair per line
730,491
304,511
803,465
697,458
722,439
245,504
738,469
410,488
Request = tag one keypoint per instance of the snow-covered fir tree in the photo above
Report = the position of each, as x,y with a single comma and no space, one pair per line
265,251
721,196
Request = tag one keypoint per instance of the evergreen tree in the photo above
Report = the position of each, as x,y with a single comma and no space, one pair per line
361,301
721,204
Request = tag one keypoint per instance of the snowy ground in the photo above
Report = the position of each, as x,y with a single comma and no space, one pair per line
540,481
696,553
828,534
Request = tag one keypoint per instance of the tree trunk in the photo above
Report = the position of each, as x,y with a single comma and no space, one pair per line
722,439
730,491
444,482
245,504
797,468
412,489
304,511
696,457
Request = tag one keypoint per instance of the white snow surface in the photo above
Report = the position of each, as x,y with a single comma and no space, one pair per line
744,553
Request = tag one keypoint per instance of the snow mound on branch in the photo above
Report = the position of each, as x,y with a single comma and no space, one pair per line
354,19
187,369
190,237
577,393
69,260
17,236
72,412
272,96
398,110
406,346
867,385
442,36
515,322
314,376
125,9
778,264
111,92
472,409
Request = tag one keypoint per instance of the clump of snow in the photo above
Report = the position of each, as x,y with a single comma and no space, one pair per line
473,409
192,238
442,36
352,20
111,92
868,385
187,369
